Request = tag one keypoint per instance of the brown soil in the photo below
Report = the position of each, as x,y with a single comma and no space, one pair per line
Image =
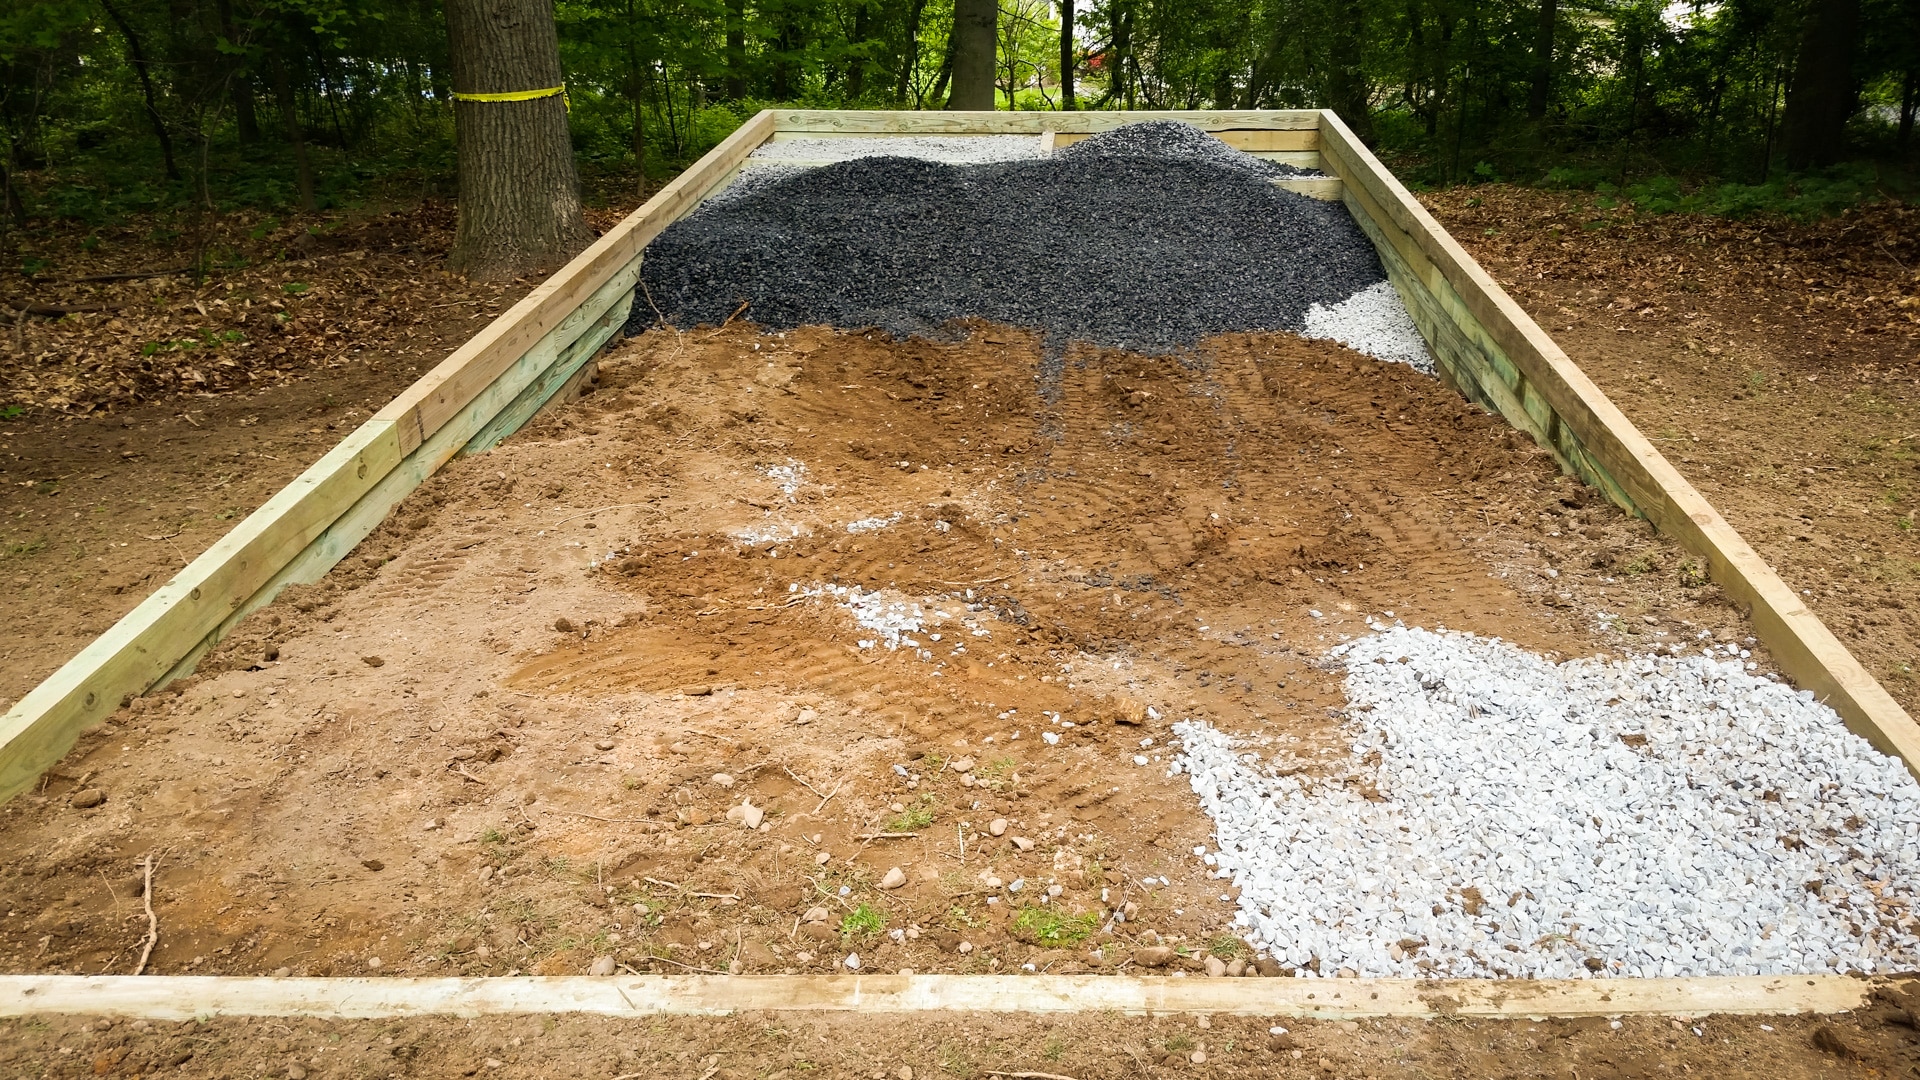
1773,362
506,734
789,1046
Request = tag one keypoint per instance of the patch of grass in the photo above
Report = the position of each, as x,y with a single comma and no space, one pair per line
1179,1043
1226,946
864,921
1052,927
295,288
23,548
1643,563
1693,573
8,412
915,819
1055,1049
952,1059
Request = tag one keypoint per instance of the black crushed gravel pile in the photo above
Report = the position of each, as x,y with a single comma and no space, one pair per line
1172,139
1129,239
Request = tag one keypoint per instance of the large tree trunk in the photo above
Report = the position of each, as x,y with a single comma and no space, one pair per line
138,57
519,193
1538,95
1066,56
1346,78
241,85
1821,97
973,54
736,49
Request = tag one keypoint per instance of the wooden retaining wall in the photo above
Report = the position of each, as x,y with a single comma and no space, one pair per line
1487,348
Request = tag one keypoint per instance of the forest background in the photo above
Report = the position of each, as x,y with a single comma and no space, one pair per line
110,108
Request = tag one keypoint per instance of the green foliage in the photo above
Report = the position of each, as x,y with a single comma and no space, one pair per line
1050,926
864,921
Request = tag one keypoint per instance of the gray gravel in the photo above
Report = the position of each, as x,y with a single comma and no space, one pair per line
1654,816
951,149
1145,238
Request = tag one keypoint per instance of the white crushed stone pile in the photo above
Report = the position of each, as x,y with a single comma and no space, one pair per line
952,150
1373,321
1654,816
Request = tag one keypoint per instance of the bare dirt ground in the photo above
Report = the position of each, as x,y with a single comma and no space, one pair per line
270,811
788,1046
535,719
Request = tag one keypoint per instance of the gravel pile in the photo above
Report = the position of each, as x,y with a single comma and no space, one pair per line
1503,815
1125,240
952,150
1375,322
1171,139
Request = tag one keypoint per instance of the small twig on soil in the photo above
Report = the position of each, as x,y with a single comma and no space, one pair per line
676,963
887,835
968,584
110,892
462,770
659,319
169,536
664,884
829,798
744,305
138,275
714,896
804,784
597,817
1027,1075
153,921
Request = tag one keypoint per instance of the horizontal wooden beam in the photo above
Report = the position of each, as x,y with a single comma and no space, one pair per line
1518,370
182,997
792,122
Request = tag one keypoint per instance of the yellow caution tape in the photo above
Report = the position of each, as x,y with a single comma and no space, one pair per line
512,95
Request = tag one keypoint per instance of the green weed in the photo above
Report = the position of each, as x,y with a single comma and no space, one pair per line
295,288
916,818
863,921
1053,927
1226,946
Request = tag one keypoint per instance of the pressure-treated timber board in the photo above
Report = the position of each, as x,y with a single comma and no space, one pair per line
1530,381
182,997
790,122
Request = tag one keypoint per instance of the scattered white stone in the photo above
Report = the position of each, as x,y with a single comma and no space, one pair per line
894,878
873,524
1373,321
852,961
1654,816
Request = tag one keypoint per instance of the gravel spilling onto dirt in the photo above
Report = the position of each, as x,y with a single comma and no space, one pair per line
1375,322
1503,815
1126,240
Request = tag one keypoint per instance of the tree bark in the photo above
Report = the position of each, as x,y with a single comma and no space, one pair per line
1347,80
736,49
1066,56
246,121
138,57
1539,94
290,120
1821,96
973,54
519,192
912,52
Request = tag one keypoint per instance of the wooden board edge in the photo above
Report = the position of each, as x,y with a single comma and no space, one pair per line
1803,646
182,997
143,645
889,122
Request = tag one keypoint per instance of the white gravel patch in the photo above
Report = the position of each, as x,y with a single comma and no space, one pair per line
873,524
934,629
953,150
1373,321
1653,816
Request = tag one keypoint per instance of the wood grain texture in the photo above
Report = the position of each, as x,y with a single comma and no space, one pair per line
145,644
822,123
1324,188
183,997
1550,398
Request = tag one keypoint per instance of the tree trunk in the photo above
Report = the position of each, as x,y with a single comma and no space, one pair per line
1821,96
1066,56
519,193
1909,97
857,55
138,57
974,39
911,56
246,121
1347,79
736,49
1538,97
290,119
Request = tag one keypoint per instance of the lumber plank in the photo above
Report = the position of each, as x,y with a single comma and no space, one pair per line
42,726
422,408
1046,143
823,123
183,997
1324,188
1805,649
